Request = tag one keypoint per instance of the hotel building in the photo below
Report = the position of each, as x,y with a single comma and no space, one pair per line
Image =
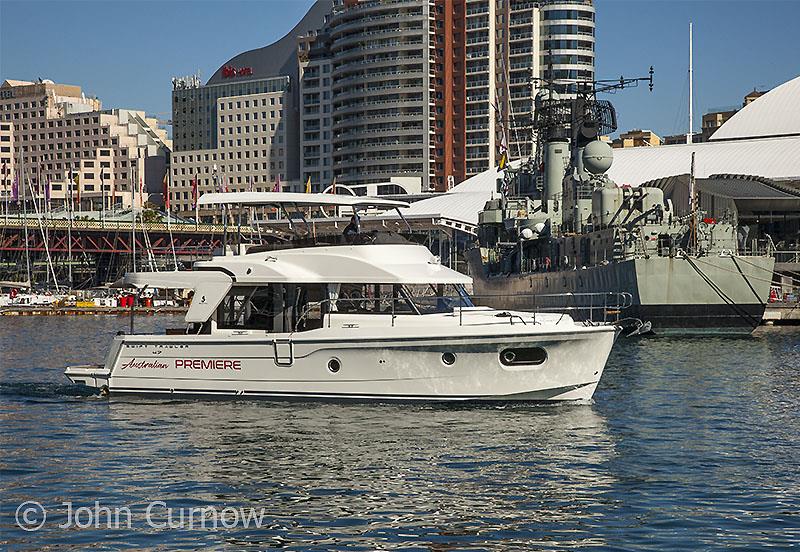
56,131
240,130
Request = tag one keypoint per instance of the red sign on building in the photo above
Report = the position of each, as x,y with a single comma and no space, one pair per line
229,71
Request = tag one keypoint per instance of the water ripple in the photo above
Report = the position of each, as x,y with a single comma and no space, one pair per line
689,444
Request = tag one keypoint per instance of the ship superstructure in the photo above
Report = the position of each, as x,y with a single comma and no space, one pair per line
560,224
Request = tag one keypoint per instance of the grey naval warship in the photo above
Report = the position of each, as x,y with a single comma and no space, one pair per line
560,224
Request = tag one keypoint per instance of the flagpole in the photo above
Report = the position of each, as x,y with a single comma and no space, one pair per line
133,216
103,198
69,230
195,197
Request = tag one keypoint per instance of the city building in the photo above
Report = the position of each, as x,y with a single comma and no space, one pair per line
673,139
713,120
418,93
430,90
240,130
395,94
316,146
52,132
512,46
637,138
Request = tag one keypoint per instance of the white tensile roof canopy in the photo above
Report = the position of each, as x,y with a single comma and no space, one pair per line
776,113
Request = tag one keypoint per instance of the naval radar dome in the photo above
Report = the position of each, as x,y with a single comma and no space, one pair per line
597,157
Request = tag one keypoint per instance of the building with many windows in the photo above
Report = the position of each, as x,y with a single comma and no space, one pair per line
50,132
431,89
511,46
418,91
252,148
240,130
384,82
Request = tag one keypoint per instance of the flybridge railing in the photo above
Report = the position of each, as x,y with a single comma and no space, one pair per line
589,308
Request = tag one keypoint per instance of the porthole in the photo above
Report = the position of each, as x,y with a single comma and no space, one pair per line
523,356
449,358
334,365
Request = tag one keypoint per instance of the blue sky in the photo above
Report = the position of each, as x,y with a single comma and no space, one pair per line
126,52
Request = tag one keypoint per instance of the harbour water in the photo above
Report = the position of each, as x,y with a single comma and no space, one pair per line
689,444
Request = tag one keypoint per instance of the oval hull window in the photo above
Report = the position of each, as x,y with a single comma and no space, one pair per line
334,365
523,356
449,358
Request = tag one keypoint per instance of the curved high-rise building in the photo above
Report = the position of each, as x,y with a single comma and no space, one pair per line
397,95
381,73
568,41
511,45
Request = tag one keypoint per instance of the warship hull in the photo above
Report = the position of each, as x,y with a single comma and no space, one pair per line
677,295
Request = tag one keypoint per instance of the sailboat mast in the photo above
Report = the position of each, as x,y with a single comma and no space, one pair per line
689,135
25,223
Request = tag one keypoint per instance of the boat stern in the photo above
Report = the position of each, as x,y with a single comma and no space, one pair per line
90,375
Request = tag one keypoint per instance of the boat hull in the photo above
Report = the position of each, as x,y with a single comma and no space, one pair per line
714,294
372,368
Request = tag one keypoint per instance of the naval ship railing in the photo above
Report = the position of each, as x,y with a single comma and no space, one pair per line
593,308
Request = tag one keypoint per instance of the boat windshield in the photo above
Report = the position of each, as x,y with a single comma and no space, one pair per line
399,299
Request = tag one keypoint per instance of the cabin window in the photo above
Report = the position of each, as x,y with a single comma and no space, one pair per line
278,308
246,308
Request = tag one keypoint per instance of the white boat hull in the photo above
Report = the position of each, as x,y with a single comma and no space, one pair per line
372,366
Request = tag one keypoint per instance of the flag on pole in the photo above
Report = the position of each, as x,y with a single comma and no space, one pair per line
47,190
503,140
308,185
249,183
277,187
141,191
333,185
15,187
166,190
194,192
78,187
103,188
69,190
503,152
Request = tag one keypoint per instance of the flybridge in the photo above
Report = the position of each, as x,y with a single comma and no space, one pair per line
277,199
282,200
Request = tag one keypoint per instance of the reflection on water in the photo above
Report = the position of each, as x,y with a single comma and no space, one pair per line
690,444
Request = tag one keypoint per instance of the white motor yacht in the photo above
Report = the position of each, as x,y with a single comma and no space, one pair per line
379,321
